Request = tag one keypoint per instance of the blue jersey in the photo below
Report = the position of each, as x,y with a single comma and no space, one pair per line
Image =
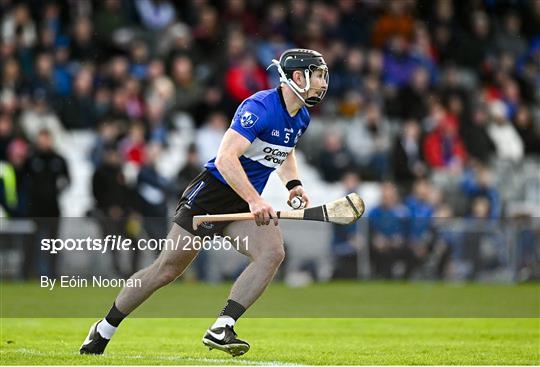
264,121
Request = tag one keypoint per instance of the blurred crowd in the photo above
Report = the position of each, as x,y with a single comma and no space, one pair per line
426,98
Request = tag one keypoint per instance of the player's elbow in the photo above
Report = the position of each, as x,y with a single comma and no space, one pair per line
219,163
222,162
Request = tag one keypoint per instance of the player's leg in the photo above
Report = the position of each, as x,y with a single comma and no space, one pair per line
170,264
264,246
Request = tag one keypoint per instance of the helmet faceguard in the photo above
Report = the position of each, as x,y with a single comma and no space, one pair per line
307,61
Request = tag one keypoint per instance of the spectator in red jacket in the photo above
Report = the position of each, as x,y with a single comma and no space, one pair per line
132,146
245,78
443,148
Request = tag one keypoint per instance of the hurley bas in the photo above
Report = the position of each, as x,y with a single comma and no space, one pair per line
66,281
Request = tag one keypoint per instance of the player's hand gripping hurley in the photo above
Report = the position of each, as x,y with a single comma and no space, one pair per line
341,211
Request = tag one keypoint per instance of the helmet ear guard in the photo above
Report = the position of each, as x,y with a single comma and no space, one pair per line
301,59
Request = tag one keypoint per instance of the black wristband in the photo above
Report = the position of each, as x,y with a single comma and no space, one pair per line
292,184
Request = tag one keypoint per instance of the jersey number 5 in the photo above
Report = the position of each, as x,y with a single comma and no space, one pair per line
286,138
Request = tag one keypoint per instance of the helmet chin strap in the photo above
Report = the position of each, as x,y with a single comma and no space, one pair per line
309,102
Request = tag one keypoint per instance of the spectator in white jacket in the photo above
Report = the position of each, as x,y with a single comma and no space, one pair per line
508,143
208,137
40,117
369,138
19,27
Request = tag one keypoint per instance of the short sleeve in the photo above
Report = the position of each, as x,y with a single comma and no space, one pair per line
250,119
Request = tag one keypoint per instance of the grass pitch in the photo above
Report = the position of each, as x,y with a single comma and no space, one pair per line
278,341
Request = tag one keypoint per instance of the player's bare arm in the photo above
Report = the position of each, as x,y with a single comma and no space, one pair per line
228,163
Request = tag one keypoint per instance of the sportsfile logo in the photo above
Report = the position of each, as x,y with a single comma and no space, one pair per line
275,155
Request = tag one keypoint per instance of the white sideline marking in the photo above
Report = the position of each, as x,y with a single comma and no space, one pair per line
163,358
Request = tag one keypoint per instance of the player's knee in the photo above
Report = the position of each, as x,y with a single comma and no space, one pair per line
275,255
166,275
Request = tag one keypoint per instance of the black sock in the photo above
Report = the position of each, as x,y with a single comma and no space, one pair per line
115,317
233,309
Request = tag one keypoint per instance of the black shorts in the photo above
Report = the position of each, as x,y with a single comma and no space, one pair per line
207,195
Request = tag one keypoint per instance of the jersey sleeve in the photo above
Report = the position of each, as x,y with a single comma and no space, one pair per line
250,119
